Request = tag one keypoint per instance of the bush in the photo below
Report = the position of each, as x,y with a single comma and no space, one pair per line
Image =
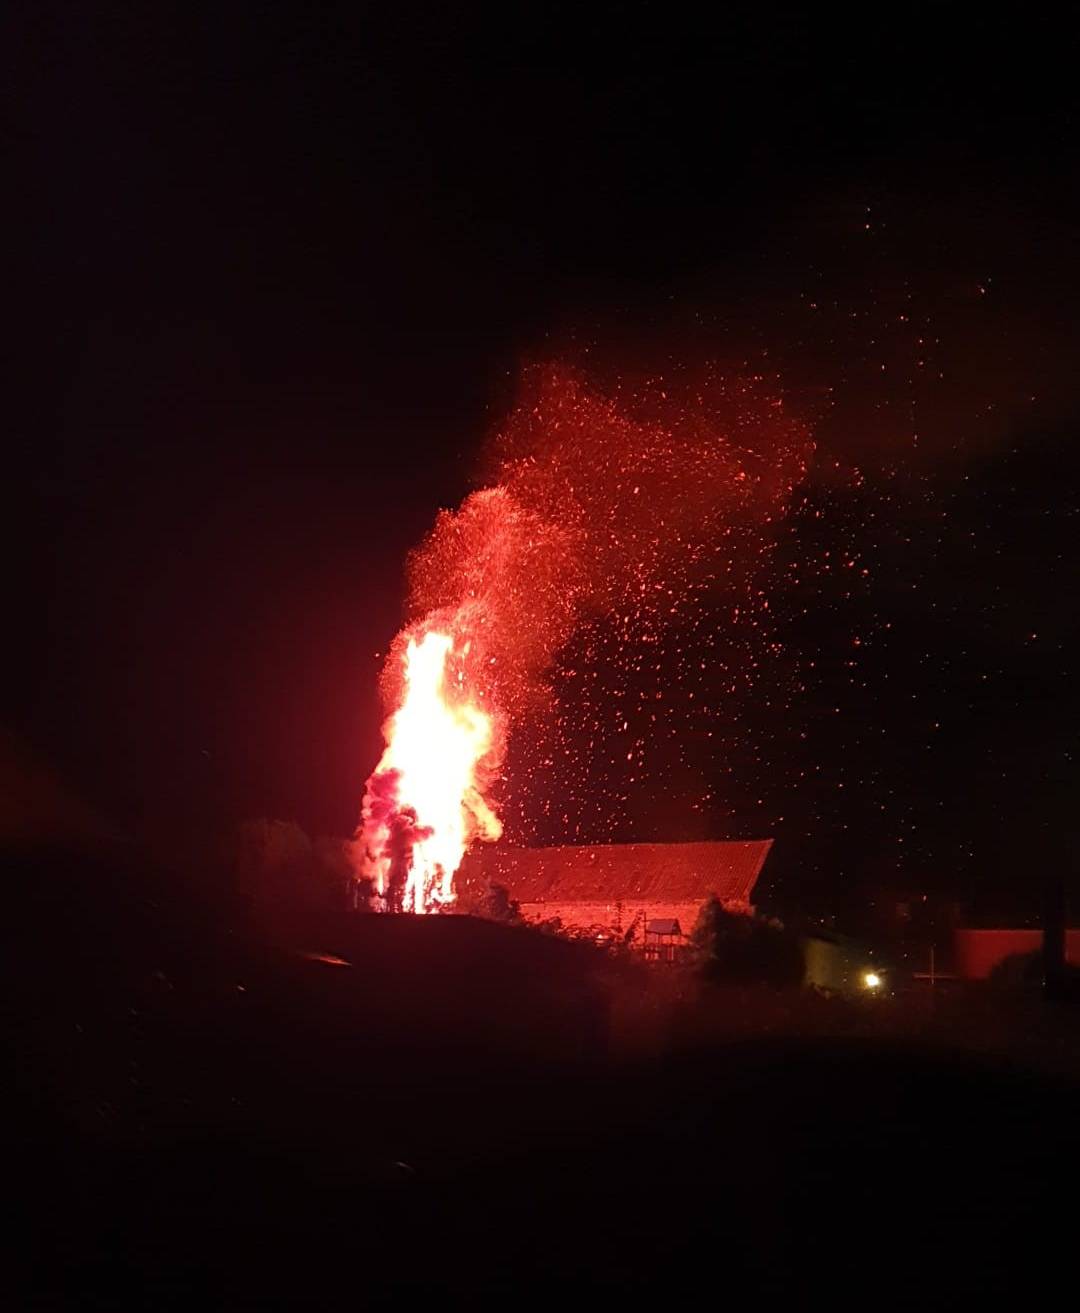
284,882
490,901
1025,971
741,948
1017,971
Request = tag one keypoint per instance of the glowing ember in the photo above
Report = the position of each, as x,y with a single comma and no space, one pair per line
424,806
574,601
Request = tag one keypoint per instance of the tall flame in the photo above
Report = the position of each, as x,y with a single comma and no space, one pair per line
424,805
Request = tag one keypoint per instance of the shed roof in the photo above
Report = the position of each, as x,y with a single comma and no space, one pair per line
663,925
627,872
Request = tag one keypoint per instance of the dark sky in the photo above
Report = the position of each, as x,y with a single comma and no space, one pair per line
274,270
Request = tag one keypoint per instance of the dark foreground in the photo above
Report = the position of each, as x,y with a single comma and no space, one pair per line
466,1114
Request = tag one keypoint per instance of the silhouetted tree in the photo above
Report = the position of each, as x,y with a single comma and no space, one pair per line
739,947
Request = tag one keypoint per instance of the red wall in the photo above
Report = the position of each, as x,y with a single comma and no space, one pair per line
979,951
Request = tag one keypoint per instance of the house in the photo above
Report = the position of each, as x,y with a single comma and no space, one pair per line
620,888
837,964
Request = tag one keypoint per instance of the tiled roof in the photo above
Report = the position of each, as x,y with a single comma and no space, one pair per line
627,872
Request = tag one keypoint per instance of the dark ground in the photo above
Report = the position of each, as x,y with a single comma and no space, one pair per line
470,1113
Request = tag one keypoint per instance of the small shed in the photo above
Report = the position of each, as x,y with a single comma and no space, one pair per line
664,940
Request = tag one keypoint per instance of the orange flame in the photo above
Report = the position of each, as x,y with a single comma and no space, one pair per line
436,744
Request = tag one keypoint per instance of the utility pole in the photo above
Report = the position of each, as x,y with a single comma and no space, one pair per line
1053,947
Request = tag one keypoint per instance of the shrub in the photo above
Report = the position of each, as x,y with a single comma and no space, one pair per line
736,947
1017,971
492,902
1025,971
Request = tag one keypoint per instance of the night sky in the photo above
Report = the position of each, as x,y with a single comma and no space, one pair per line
274,275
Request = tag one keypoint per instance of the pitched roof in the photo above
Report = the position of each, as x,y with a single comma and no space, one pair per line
627,872
663,925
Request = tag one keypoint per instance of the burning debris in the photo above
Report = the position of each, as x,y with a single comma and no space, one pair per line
622,511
